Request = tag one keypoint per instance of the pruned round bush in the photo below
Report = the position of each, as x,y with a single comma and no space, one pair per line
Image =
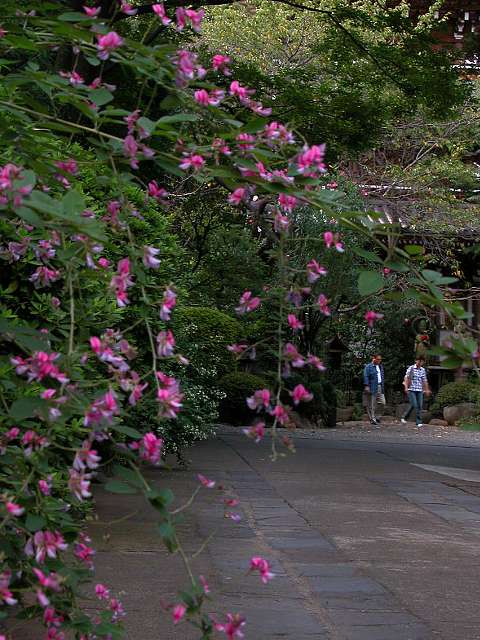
455,393
237,386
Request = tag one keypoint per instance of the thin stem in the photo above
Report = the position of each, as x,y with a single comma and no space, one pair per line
187,504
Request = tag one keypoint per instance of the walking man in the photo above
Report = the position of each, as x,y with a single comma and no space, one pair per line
415,384
374,387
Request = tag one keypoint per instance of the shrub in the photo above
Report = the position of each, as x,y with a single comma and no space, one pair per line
237,386
454,393
203,335
323,407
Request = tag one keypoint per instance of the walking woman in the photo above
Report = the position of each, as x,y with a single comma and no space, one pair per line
415,384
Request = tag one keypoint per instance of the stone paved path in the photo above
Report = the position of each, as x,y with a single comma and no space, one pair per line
364,546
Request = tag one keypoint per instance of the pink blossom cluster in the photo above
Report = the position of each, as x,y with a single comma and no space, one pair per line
315,271
165,344
263,567
169,396
232,627
83,551
6,596
107,44
45,544
10,174
44,276
156,192
151,448
39,366
247,303
102,410
168,303
187,67
122,281
114,350
371,317
32,441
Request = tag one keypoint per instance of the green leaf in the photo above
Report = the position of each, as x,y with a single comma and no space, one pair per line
452,362
177,117
128,475
35,522
168,536
369,282
397,266
128,431
100,96
160,499
73,16
368,255
117,486
414,249
73,203
26,407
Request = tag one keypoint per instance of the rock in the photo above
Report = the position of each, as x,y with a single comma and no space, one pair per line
439,423
453,413
426,417
344,414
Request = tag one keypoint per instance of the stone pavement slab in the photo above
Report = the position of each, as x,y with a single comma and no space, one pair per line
364,546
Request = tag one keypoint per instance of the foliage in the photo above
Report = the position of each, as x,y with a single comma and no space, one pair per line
237,386
455,393
205,334
362,66
323,407
88,174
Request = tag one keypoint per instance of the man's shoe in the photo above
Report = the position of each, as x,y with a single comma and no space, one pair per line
403,421
420,424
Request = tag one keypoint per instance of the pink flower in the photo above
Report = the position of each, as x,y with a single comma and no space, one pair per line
168,303
287,203
39,366
149,259
246,141
14,509
280,414
130,150
127,9
45,486
102,592
281,223
247,303
310,160
192,161
209,484
292,356
151,448
6,596
371,317
69,166
279,133
102,410
92,12
203,582
262,566
159,10
165,344
256,431
236,89
117,608
232,627
237,196
107,44
79,484
386,271
86,457
322,303
214,98
259,400
103,263
159,193
314,271
83,552
237,348
43,276
294,323
48,581
122,281
169,396
179,610
314,361
45,543
187,67
220,63
331,239
300,394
